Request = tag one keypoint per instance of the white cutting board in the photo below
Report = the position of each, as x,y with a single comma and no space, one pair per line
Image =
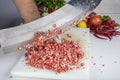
23,70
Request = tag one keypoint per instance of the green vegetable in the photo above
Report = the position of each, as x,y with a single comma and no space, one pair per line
50,4
117,25
105,18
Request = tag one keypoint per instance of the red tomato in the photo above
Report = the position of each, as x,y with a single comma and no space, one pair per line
51,10
95,21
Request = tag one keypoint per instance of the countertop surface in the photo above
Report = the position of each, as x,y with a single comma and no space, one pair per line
104,58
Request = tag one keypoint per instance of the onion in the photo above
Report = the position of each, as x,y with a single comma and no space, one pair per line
104,32
92,14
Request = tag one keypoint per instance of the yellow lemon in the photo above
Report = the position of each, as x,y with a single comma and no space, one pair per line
82,24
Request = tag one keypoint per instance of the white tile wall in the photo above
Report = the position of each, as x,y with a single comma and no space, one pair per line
109,6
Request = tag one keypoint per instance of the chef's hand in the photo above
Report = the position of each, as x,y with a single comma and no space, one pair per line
27,9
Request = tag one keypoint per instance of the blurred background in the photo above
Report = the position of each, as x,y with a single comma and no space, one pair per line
9,17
